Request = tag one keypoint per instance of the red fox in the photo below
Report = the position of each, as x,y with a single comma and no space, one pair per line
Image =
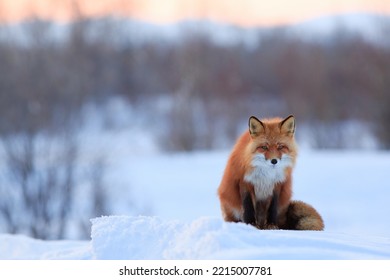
256,187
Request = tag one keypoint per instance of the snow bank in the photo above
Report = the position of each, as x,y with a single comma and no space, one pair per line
138,238
121,237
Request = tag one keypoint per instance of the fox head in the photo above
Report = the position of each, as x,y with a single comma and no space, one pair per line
273,138
272,149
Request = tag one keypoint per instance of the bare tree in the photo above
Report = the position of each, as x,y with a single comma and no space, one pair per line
39,186
41,97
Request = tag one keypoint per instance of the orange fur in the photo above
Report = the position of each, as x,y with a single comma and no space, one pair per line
249,170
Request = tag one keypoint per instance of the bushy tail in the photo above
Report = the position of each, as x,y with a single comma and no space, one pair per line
302,216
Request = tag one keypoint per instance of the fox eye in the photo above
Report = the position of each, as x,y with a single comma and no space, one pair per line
281,147
264,148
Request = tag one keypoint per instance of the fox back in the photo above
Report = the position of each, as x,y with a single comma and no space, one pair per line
256,185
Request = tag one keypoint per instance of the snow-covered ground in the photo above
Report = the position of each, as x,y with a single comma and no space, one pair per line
349,189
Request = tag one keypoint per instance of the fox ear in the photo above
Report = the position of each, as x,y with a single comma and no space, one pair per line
255,126
288,125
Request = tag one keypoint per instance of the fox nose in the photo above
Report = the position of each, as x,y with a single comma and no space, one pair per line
274,161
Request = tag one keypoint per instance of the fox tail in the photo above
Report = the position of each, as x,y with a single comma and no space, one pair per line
302,216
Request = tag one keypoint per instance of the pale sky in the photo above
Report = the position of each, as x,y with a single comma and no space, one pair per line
242,12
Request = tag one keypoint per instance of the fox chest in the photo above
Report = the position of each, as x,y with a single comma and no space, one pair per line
264,180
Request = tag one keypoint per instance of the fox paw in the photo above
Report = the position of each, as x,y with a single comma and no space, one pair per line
267,226
271,227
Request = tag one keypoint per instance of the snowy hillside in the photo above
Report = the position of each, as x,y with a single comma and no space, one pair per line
349,189
370,26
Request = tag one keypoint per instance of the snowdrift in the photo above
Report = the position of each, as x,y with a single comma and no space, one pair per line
121,237
124,237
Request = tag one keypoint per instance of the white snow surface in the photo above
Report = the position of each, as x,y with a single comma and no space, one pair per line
349,189
211,238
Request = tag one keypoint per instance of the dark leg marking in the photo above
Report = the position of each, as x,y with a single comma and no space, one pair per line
273,211
249,210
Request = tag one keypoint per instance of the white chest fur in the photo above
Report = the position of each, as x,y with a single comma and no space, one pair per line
265,175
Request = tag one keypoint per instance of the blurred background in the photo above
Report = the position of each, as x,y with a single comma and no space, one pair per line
84,83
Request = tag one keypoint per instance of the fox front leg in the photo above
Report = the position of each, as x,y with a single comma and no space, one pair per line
248,209
273,213
262,213
267,213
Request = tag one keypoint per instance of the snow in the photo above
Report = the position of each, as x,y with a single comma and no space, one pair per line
14,247
371,26
349,189
211,238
